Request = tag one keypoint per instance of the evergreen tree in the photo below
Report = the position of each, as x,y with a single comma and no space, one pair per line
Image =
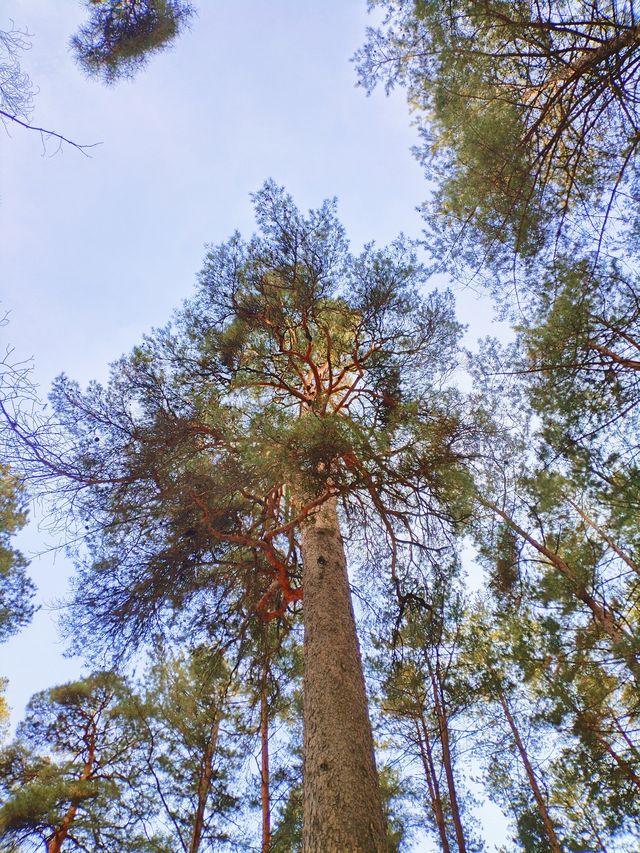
65,778
273,686
562,560
210,472
188,752
115,42
423,707
499,647
121,35
528,114
16,588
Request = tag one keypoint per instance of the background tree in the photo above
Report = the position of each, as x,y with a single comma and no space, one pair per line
66,775
120,35
16,588
512,739
562,565
423,707
16,89
209,472
189,753
114,43
529,117
273,691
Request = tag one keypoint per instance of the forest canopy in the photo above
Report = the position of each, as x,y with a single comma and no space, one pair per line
340,583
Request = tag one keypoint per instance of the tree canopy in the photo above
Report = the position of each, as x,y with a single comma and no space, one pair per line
297,437
16,588
120,35
298,373
206,475
528,114
116,41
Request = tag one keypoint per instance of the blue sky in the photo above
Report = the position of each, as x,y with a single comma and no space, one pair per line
97,250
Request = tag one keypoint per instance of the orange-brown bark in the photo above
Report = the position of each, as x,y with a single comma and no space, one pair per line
55,842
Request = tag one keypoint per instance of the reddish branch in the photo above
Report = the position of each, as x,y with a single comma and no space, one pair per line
602,614
543,811
56,841
279,566
204,785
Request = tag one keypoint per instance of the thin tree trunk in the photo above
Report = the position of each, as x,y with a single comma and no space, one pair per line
554,844
610,542
447,760
619,760
432,782
264,761
204,785
56,841
602,614
342,805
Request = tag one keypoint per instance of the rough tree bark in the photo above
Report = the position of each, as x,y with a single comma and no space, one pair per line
342,805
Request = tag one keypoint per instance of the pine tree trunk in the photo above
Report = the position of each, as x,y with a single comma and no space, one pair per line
342,806
432,782
204,785
264,761
554,844
54,844
447,759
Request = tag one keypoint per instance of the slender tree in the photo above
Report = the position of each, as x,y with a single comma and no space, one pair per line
422,712
65,777
562,560
188,753
509,720
4,710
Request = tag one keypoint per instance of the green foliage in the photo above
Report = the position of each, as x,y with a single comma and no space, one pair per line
423,705
189,752
582,348
395,796
71,762
287,834
16,589
528,117
121,35
296,373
